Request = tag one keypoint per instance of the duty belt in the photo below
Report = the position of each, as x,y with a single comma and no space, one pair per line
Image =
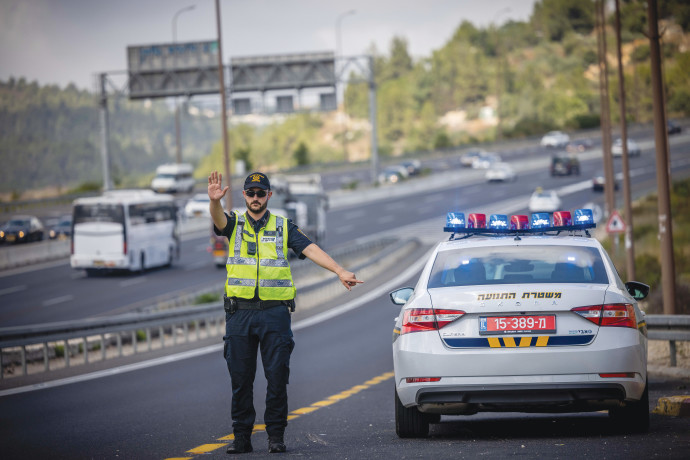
258,304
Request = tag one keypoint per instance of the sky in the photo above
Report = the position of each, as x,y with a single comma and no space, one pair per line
69,41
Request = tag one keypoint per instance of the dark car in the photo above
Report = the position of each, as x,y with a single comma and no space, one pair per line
22,229
599,181
414,167
565,165
673,128
62,229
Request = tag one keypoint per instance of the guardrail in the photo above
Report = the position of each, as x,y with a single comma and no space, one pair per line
45,347
669,327
85,340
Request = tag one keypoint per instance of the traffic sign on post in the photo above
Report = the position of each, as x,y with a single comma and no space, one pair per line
616,224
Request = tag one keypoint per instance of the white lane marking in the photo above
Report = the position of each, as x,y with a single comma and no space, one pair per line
316,319
57,300
21,287
133,281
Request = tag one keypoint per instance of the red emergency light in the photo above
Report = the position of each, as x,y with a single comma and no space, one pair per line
519,222
562,219
476,220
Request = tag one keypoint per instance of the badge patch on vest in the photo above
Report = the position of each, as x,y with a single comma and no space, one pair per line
268,239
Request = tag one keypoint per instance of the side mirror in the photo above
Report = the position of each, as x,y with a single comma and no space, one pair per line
402,295
637,290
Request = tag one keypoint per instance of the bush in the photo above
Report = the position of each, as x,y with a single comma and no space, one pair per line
586,121
530,126
442,141
655,301
207,298
648,270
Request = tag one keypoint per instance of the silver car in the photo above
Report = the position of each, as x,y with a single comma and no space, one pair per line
513,319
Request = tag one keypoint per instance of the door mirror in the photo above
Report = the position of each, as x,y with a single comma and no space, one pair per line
402,295
637,290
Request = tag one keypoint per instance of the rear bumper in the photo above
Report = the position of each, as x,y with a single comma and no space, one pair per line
522,378
105,263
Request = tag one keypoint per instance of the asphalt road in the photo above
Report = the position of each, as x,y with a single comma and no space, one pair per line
59,293
340,392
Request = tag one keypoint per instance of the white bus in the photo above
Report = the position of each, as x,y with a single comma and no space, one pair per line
124,230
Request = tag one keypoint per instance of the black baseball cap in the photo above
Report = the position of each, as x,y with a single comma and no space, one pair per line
257,180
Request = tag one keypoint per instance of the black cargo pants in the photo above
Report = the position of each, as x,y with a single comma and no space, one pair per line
245,332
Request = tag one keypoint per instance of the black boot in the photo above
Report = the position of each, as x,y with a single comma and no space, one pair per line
241,445
276,444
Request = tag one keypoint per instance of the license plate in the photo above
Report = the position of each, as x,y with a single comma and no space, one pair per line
522,324
99,263
11,238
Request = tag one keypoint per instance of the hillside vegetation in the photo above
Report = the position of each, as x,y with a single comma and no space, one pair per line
516,80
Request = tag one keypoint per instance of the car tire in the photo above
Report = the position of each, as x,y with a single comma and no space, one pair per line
409,422
633,417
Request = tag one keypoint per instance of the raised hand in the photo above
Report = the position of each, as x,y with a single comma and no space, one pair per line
215,191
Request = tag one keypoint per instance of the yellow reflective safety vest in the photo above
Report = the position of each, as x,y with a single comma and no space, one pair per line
268,266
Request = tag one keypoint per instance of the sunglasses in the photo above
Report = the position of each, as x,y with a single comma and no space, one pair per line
259,193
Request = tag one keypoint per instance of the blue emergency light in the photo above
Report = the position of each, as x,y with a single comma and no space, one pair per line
455,220
584,217
541,220
498,222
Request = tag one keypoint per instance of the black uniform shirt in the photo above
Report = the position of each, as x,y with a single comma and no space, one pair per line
296,240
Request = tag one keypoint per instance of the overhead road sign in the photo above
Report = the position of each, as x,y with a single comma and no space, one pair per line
616,224
173,69
283,71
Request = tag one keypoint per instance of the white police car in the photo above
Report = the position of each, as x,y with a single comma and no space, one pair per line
516,316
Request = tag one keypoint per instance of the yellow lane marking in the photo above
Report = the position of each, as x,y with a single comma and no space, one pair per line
494,342
509,341
525,341
304,410
542,340
205,448
324,403
179,458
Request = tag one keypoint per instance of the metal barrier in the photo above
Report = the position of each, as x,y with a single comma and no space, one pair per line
84,340
73,339
669,327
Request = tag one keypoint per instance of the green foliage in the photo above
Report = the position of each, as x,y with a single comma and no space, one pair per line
244,154
302,154
647,268
208,297
555,18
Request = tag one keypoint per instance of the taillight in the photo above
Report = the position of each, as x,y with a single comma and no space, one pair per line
614,315
124,248
427,319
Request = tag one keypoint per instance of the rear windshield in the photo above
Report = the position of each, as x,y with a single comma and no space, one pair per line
98,213
518,265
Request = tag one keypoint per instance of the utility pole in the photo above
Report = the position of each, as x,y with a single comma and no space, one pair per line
178,142
629,244
605,112
668,272
224,114
105,132
338,52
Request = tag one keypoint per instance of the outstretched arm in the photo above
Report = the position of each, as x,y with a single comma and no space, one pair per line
216,193
319,257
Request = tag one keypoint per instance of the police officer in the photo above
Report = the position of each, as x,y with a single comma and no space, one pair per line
259,296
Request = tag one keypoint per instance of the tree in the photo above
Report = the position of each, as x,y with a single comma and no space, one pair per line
302,154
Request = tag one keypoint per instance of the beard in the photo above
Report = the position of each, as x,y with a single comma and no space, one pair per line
255,206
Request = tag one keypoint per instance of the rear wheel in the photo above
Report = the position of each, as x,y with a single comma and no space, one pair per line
634,417
409,422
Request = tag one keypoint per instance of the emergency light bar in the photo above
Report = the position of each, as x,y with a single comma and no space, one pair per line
540,222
